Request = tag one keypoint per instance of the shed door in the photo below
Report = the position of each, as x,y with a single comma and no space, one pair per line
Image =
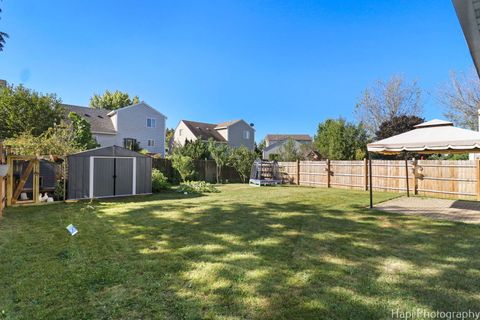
103,177
124,176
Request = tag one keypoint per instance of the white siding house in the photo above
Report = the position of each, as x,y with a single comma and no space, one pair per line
274,143
234,133
138,123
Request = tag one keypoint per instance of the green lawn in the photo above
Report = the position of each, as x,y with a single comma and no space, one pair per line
244,253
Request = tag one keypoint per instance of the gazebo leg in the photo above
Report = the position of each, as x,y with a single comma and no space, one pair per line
406,173
370,187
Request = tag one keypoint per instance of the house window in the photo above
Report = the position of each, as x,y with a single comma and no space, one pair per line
151,143
151,123
130,144
180,132
246,134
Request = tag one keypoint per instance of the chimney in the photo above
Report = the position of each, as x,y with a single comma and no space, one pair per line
3,83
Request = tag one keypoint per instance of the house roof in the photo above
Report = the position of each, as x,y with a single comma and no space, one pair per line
297,137
226,124
112,112
278,143
436,136
99,120
204,131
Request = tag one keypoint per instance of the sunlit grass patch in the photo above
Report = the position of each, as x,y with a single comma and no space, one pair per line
244,253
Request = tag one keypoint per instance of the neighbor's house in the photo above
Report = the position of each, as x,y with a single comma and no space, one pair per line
275,142
136,124
234,133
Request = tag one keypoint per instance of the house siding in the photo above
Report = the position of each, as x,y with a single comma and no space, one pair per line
131,122
276,149
105,140
235,135
186,134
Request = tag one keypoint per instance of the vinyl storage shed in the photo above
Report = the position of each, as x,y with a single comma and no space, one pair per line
108,172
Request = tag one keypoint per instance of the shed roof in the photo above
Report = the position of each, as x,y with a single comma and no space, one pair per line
111,151
435,136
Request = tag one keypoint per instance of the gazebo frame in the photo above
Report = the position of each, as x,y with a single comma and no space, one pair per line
455,141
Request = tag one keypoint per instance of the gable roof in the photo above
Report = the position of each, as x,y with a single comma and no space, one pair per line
204,131
112,112
110,151
99,119
435,136
279,143
226,124
279,137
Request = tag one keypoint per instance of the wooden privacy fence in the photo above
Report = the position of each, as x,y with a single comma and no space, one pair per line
205,170
438,178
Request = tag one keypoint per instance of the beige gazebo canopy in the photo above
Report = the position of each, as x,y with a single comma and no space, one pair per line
435,136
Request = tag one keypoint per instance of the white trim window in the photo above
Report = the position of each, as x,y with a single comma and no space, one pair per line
151,123
151,143
246,134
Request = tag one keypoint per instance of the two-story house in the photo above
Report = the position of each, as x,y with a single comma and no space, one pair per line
234,133
138,124
274,142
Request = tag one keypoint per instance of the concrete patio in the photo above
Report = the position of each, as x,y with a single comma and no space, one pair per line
454,210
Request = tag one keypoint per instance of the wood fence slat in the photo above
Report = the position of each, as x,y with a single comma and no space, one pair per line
444,178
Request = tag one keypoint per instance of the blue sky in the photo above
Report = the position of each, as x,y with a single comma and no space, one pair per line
283,65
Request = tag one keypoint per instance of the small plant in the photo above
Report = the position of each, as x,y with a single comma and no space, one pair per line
59,192
197,187
184,166
220,153
159,181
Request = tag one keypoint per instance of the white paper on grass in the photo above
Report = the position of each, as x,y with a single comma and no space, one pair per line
73,231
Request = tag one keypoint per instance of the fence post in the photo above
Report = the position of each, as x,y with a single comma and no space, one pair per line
205,169
365,173
328,173
36,180
9,180
415,180
478,178
298,171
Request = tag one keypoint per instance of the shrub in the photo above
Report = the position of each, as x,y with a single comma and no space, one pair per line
241,159
159,181
197,187
184,165
59,193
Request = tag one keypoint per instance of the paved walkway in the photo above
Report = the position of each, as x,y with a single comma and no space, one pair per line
455,210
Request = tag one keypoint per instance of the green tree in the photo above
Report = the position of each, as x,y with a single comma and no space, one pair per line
24,110
3,36
288,151
58,140
184,165
112,100
169,143
397,125
242,159
82,134
337,139
197,150
220,152
260,147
